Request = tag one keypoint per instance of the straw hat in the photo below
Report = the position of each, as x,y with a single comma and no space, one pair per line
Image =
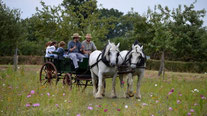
88,36
76,35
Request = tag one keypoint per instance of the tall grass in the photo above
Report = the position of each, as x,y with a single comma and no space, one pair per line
178,94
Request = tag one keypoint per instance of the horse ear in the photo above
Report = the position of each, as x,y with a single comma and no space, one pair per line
141,47
132,46
109,42
118,45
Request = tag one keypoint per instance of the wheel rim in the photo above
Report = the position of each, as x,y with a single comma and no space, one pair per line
47,73
67,80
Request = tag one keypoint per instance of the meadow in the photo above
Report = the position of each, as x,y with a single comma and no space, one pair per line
21,93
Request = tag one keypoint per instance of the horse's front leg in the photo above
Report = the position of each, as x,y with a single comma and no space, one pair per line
140,76
100,86
122,83
129,92
113,92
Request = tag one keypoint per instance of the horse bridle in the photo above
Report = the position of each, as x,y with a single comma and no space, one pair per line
130,56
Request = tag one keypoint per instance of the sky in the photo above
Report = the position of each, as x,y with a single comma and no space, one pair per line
27,7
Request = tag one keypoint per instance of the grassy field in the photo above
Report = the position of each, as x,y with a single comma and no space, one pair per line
178,94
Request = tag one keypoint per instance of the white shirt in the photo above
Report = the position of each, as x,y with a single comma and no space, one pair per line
49,50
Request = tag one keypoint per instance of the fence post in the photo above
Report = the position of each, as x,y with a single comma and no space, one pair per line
15,60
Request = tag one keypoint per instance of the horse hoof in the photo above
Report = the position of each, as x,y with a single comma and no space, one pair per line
138,97
103,95
98,97
114,97
131,95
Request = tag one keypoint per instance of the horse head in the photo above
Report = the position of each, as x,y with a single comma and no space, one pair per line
136,54
111,53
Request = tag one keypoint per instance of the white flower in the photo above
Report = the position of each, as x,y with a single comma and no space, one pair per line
155,85
139,99
65,101
126,106
196,90
4,84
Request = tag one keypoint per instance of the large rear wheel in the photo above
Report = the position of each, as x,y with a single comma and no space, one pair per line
47,73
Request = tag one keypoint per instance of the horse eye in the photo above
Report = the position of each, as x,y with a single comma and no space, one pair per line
109,53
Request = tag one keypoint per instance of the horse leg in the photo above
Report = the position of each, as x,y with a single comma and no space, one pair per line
104,87
113,92
100,86
129,92
94,81
121,83
140,76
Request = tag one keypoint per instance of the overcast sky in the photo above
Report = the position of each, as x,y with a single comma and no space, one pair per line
28,6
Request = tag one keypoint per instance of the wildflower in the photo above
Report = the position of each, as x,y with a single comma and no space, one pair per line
144,104
118,109
196,90
36,105
170,108
90,108
139,100
189,114
27,105
192,110
172,90
29,96
99,106
105,110
48,94
78,115
155,85
157,101
65,100
126,106
195,104
122,82
178,101
56,105
63,94
180,94
32,91
4,84
202,97
169,93
41,94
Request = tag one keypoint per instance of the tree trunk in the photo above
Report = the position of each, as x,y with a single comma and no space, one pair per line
162,65
15,59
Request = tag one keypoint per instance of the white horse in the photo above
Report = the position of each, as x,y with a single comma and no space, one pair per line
104,64
132,63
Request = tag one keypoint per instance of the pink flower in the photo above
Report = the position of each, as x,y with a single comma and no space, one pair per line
172,90
178,101
144,104
56,105
29,96
170,108
195,104
48,94
180,94
99,106
189,114
170,93
118,109
78,115
105,110
157,101
27,105
32,91
90,108
122,82
202,97
192,110
36,105
63,94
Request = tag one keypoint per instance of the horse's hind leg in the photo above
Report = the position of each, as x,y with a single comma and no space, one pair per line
94,81
104,87
140,76
129,92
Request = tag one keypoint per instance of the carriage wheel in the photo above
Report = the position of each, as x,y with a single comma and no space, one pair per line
47,73
67,80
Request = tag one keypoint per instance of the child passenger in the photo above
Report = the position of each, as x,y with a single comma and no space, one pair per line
51,48
61,50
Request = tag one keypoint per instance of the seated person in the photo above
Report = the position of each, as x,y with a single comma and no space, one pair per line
51,48
75,49
88,45
61,50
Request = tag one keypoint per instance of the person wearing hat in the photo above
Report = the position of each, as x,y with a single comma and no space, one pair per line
75,49
88,45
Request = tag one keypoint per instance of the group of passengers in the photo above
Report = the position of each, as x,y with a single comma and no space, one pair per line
76,50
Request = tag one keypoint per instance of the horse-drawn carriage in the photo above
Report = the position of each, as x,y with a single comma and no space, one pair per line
55,69
102,64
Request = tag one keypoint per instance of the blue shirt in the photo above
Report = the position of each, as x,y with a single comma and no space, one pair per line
61,51
71,44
